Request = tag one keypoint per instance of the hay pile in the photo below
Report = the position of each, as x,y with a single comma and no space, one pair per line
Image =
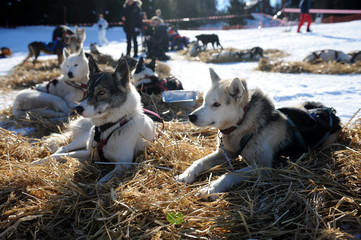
28,75
317,67
316,197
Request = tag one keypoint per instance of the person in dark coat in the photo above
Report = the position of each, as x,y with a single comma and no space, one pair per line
158,42
305,6
132,16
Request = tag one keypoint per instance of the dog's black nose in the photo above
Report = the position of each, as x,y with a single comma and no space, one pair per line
70,75
192,118
79,109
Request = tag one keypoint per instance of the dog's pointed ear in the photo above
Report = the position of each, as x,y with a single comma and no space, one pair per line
215,78
93,66
152,64
121,73
237,88
76,28
65,53
139,65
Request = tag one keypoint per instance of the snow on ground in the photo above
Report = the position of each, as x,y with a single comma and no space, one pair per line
343,92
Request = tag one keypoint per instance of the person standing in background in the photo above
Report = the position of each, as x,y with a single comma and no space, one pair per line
132,16
102,25
305,6
158,13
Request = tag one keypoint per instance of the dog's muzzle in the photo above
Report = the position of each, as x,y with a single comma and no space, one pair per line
79,109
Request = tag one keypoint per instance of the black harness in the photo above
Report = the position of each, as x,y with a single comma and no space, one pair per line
99,143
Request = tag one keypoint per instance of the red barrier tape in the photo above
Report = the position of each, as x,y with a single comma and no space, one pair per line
326,11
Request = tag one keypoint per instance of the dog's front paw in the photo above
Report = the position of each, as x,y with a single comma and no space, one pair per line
40,161
185,177
208,193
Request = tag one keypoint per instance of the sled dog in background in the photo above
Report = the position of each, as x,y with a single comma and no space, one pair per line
328,55
209,38
120,128
146,81
57,97
250,126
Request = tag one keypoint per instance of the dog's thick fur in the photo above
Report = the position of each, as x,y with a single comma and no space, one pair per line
253,54
209,38
146,81
111,99
328,55
229,106
56,98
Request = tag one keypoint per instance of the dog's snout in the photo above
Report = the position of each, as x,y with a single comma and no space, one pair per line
192,118
79,109
70,74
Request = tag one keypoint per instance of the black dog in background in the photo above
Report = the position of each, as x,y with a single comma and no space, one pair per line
209,38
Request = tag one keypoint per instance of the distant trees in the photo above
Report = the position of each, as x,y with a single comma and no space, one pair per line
40,12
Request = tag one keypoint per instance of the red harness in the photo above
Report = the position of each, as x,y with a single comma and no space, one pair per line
231,129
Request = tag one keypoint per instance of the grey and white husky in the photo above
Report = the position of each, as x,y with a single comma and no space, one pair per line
250,126
113,112
57,97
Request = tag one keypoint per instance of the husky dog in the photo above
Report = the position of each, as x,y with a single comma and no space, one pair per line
328,55
74,41
255,53
146,81
355,56
35,48
252,54
250,126
209,38
120,128
57,97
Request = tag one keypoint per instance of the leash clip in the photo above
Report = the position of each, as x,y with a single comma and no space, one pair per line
221,145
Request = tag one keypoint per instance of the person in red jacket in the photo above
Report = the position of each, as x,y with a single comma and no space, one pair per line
305,6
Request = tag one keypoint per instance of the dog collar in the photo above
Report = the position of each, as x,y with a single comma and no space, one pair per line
231,129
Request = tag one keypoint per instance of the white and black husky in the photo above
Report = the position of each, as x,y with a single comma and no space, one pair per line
120,128
250,126
146,81
57,97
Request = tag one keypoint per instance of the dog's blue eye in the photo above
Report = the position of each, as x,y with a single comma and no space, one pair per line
216,104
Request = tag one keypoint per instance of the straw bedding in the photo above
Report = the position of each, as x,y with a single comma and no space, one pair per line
314,197
317,67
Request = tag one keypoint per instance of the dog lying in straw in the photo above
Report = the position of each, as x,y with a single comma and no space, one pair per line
250,126
120,128
57,97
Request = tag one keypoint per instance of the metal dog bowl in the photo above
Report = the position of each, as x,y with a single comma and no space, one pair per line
180,97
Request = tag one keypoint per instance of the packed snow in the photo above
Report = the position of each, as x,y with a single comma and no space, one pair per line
343,92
